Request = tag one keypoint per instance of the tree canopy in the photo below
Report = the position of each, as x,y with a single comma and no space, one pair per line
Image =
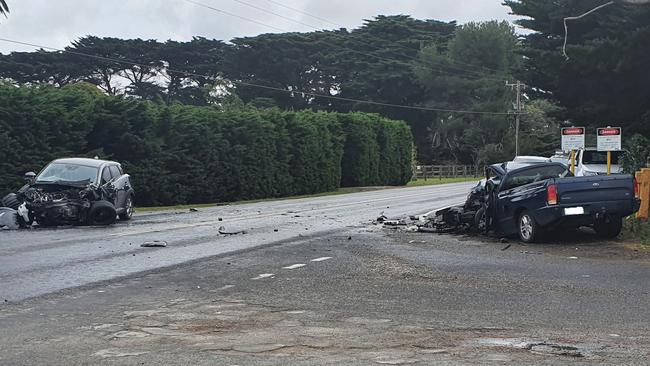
605,81
449,78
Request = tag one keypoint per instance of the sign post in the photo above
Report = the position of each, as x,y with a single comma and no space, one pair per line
609,139
573,139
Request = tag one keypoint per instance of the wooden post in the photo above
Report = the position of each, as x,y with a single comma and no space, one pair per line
573,161
609,163
643,178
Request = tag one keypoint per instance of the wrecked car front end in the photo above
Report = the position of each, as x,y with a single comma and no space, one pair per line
73,191
67,204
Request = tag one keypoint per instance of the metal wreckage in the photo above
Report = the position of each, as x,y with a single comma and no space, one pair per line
528,199
70,192
467,218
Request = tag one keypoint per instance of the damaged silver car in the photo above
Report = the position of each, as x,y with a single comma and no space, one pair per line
73,191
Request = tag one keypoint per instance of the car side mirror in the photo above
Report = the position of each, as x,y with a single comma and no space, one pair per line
30,176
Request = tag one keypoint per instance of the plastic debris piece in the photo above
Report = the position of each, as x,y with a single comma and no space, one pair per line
154,244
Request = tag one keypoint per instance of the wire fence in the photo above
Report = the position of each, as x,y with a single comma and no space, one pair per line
447,171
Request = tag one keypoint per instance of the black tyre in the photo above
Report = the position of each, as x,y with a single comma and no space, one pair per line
101,213
480,221
128,209
610,228
11,200
528,230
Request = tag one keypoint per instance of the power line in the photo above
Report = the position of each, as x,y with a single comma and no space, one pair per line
274,13
476,74
305,13
234,15
314,95
566,26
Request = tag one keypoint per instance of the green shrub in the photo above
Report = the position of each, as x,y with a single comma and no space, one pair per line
183,154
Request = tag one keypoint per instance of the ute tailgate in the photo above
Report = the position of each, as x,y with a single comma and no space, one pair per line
581,190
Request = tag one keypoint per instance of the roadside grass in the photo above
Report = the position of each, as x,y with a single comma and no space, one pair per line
340,191
437,181
637,231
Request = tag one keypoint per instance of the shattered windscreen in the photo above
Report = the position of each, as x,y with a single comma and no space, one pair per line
535,175
59,172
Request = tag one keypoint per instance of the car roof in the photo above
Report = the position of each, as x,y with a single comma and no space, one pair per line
95,163
531,159
522,166
510,166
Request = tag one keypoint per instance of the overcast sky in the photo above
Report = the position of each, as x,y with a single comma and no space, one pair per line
57,23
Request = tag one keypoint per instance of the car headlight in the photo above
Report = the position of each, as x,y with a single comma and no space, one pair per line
588,173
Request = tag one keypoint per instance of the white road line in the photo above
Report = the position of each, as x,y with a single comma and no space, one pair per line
321,259
263,275
299,265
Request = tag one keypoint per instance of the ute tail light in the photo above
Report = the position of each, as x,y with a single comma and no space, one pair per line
636,189
551,194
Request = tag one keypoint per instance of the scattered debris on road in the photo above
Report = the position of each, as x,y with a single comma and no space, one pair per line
154,244
9,219
223,231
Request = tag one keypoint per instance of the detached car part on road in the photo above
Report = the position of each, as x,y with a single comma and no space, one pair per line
532,199
74,191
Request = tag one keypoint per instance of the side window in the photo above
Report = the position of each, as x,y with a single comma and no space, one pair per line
534,175
106,176
115,171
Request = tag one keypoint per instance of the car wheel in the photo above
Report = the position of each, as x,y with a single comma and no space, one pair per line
610,228
101,213
480,220
529,231
11,200
128,209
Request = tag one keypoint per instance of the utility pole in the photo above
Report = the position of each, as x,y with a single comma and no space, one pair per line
519,86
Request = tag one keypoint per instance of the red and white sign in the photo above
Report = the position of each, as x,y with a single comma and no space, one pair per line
609,139
573,138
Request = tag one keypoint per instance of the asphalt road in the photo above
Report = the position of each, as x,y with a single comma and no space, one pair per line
361,295
40,261
327,288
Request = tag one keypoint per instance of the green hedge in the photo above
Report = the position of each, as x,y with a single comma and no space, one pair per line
185,154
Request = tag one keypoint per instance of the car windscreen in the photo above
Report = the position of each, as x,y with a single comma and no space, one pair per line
68,173
533,175
600,157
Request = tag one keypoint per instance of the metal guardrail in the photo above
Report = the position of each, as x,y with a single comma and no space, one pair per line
446,171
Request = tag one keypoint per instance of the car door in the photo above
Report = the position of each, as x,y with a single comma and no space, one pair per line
121,184
521,189
107,185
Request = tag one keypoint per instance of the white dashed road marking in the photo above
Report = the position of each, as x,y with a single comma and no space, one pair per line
321,259
263,275
299,265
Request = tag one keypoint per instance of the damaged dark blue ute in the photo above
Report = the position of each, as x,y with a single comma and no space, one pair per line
530,200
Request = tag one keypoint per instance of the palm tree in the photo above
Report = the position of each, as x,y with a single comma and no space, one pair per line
4,9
